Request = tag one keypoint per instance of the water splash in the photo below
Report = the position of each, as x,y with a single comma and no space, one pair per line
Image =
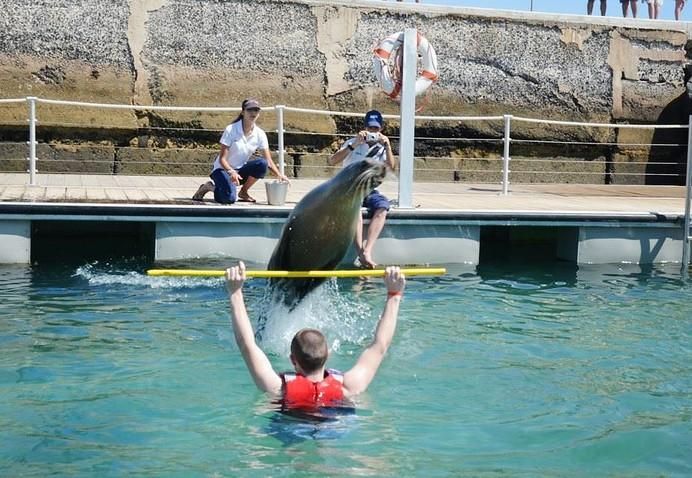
341,319
108,274
325,309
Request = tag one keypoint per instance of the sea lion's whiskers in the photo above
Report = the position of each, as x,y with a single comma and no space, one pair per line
363,183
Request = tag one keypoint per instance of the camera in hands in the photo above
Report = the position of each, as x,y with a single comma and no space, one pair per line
372,137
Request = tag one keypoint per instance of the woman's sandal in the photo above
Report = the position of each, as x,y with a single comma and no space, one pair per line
246,198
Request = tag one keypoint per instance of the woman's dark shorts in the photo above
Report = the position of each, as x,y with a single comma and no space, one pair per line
225,192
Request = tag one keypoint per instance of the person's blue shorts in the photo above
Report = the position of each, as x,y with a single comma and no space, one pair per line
225,192
374,201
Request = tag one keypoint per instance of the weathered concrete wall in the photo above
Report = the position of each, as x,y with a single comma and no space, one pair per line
75,50
318,54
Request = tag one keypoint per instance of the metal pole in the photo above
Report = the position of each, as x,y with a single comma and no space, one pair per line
688,197
505,154
280,135
31,100
407,118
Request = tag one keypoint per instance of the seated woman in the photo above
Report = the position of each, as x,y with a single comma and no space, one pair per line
233,166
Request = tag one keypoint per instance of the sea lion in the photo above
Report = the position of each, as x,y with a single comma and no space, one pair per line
321,228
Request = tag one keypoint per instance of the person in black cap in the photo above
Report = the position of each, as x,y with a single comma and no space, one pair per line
233,166
368,143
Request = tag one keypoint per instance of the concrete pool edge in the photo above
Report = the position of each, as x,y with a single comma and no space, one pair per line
411,236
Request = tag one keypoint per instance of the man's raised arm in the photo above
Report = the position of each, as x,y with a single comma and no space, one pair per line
359,377
256,360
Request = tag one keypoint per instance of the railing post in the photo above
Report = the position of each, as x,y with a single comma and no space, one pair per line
31,100
688,197
505,154
280,135
407,122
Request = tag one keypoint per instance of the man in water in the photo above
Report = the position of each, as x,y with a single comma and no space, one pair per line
312,385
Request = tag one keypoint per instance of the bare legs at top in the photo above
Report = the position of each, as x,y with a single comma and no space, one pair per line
626,5
654,10
679,5
589,7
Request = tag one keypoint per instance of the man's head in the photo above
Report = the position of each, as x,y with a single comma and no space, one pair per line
309,350
374,121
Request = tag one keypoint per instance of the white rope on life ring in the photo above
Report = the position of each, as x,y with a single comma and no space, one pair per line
387,61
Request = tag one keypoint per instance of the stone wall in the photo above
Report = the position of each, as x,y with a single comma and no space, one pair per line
317,54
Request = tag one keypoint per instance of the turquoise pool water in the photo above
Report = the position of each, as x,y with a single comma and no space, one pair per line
512,371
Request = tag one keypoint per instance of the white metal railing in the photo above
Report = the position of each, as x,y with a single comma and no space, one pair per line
686,233
32,139
504,123
600,125
505,153
281,131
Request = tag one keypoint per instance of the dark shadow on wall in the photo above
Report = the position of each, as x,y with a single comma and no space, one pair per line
666,165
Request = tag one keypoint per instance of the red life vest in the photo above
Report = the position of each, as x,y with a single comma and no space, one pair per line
299,392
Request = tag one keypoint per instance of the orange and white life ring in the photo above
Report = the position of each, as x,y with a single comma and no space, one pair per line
387,61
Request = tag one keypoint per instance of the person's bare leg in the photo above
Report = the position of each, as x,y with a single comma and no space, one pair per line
679,4
652,8
589,7
358,240
604,7
243,193
657,10
374,230
633,3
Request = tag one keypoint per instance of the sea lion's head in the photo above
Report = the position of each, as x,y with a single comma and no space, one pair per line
365,175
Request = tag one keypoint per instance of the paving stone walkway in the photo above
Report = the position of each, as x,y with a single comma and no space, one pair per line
462,197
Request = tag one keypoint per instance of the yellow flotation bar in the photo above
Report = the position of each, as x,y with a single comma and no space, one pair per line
425,271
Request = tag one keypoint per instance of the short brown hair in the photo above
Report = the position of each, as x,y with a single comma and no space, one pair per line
309,349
